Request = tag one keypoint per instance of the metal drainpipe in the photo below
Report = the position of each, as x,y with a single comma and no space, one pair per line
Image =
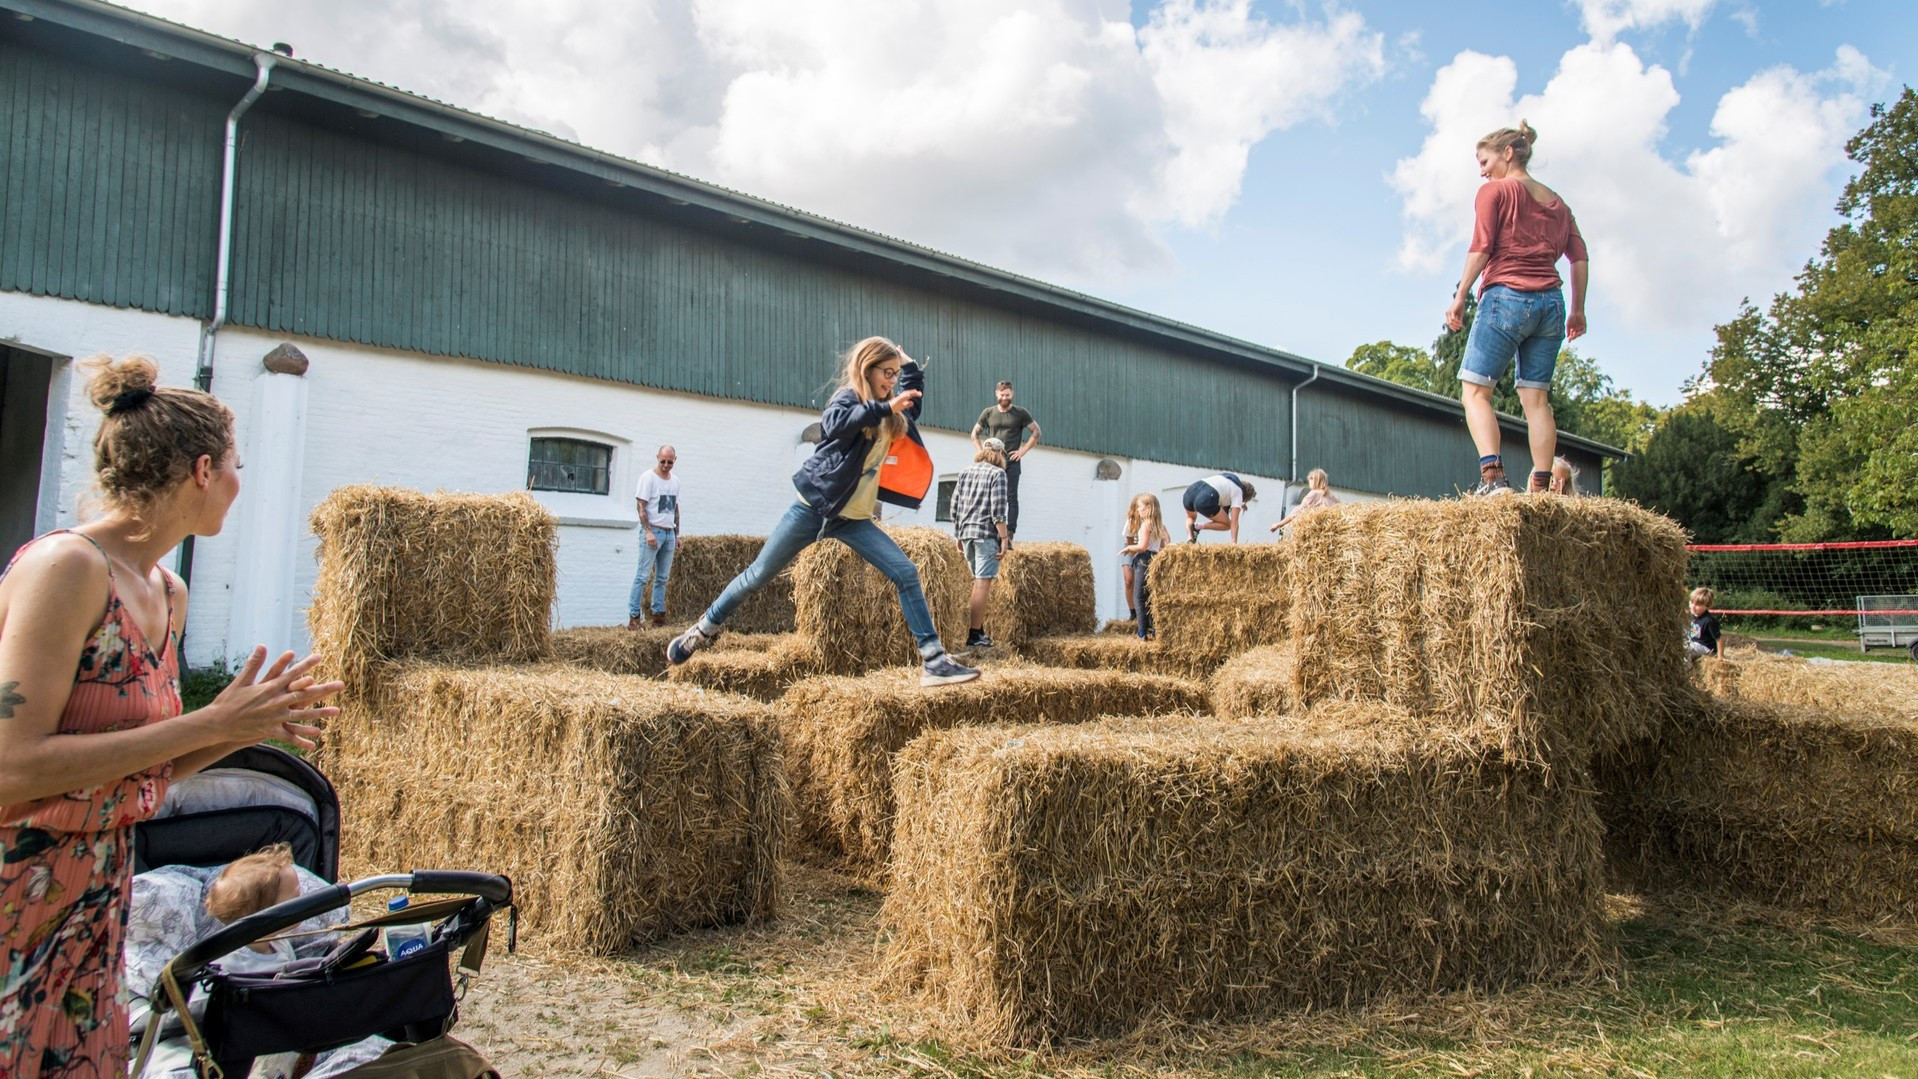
1317,369
203,367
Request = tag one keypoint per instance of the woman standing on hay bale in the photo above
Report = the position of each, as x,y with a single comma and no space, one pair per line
1319,494
1145,525
90,724
1522,230
869,450
1215,503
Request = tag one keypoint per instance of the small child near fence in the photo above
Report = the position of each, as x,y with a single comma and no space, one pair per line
1705,639
1145,524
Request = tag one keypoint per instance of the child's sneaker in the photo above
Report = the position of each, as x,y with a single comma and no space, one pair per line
978,639
1496,486
681,648
943,670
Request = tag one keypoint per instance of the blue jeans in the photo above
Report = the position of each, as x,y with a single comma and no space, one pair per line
796,531
1530,325
650,557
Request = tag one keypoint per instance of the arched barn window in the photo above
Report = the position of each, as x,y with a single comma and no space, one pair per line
569,464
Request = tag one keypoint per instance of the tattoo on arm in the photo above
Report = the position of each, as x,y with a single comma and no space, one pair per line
8,698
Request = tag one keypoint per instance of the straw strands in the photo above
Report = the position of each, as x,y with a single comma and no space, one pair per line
618,650
1796,805
1069,881
1885,689
1114,652
702,568
762,672
850,611
840,735
1043,589
1552,625
1213,601
448,576
622,808
1255,683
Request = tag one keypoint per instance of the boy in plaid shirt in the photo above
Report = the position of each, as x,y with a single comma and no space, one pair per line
979,522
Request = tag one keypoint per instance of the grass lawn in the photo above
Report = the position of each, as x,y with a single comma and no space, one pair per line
1833,651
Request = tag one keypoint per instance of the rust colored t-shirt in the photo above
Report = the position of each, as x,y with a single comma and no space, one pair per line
1524,236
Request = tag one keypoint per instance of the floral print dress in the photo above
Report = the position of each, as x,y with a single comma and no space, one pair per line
66,866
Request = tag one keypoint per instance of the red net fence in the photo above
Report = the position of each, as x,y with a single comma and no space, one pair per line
1794,584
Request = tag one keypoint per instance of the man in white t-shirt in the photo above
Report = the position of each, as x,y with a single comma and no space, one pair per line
659,522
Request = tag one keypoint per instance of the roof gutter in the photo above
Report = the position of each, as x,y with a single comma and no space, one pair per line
222,280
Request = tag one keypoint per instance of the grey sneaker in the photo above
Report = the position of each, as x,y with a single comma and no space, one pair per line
945,671
979,641
681,648
1493,487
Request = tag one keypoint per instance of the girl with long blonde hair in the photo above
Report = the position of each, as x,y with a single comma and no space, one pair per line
1145,525
869,419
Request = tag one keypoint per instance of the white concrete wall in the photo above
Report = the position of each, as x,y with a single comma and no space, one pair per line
386,417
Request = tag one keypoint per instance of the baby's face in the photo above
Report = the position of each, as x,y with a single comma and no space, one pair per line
289,885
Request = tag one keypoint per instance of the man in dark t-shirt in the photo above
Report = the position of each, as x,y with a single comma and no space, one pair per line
1014,427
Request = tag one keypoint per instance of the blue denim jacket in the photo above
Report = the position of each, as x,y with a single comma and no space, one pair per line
827,480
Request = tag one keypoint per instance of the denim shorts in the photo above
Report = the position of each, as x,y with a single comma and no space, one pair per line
1530,325
983,557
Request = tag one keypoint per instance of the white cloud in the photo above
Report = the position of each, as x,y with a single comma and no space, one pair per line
1606,19
1668,239
1048,136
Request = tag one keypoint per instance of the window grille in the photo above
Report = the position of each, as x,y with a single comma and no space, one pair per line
569,464
943,508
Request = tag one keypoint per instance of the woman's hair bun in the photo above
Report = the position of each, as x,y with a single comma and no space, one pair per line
117,385
1527,132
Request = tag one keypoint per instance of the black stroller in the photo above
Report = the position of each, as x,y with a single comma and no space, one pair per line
347,992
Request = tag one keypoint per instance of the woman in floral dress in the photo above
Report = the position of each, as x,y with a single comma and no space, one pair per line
90,723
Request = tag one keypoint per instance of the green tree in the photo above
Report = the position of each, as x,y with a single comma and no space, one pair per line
1693,470
1404,364
1820,387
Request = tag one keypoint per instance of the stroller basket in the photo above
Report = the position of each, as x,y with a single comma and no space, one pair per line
353,993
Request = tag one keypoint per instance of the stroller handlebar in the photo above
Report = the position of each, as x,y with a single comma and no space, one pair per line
186,966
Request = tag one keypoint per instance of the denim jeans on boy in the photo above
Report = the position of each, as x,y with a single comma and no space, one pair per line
649,558
1509,321
794,533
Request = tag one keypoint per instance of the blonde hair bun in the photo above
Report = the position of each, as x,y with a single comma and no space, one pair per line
117,385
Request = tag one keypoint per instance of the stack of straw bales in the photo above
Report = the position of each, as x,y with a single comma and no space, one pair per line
850,612
765,671
443,576
1058,882
622,808
840,736
1212,601
1546,624
704,565
1793,804
1113,652
1043,590
1255,683
1886,689
618,650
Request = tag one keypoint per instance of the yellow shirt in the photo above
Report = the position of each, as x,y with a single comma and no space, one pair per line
864,503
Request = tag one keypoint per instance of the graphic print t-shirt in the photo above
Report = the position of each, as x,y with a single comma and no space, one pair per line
661,497
1705,630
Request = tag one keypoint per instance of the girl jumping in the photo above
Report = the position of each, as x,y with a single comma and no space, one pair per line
870,415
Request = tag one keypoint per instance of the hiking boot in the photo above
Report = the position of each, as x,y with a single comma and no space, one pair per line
659,618
943,670
681,648
635,622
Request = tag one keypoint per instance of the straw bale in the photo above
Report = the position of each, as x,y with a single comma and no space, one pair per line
405,575
1793,805
618,650
702,568
763,673
624,809
1887,689
850,611
1060,882
1126,626
1116,652
1255,683
1217,600
1553,625
840,735
1043,589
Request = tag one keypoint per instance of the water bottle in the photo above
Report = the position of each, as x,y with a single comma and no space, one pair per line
403,940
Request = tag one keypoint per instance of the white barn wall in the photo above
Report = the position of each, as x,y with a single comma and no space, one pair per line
387,417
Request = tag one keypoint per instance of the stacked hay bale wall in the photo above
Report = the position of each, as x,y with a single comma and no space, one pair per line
1886,689
618,650
1212,601
1043,590
405,575
623,809
704,565
1255,683
840,735
762,672
1548,624
850,611
1114,652
1059,882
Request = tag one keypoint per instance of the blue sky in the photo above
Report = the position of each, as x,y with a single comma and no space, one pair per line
1298,175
